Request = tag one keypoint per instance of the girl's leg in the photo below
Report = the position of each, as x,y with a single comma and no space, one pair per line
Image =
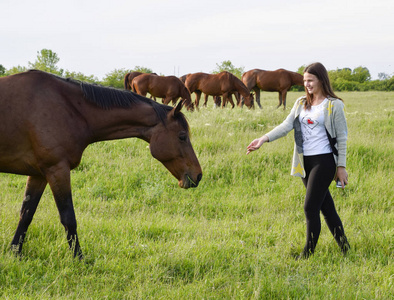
320,170
334,222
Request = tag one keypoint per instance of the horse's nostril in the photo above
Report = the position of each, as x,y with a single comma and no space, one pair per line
199,177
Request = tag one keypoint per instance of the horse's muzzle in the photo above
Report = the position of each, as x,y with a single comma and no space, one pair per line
188,182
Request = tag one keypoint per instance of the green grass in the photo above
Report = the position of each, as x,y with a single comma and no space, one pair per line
233,237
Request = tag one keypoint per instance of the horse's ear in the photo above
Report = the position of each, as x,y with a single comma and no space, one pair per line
176,109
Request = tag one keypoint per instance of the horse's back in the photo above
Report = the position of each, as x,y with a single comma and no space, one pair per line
195,80
38,115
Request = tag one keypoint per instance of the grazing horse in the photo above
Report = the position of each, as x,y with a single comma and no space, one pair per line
128,78
217,99
170,88
221,84
48,121
280,81
183,78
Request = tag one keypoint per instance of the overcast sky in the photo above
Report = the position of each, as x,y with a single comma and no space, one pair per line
178,37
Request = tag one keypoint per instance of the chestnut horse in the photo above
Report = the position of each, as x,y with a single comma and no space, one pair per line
128,78
216,99
48,121
221,84
280,80
170,88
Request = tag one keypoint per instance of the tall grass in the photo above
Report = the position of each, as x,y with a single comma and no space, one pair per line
232,237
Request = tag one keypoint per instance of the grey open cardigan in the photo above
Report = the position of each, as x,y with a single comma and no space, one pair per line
336,128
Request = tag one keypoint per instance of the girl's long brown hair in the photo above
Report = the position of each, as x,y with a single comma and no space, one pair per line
321,73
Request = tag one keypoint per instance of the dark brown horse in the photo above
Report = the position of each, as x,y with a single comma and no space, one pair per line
221,84
170,88
48,121
280,81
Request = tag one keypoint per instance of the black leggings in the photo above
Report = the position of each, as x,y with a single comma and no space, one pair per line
320,171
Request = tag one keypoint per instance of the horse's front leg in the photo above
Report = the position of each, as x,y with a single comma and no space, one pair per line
35,186
238,99
228,98
198,96
58,178
257,92
206,100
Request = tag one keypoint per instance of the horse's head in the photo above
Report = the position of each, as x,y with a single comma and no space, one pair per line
189,105
170,144
248,100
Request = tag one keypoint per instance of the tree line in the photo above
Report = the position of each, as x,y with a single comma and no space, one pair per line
345,79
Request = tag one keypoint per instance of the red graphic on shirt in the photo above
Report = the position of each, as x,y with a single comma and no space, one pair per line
310,121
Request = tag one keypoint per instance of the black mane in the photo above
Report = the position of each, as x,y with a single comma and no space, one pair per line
107,98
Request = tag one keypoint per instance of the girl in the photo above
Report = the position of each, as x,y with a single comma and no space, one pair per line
320,133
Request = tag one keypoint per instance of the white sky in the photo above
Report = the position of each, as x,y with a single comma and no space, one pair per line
178,37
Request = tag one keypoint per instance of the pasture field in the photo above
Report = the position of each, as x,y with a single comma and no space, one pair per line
233,237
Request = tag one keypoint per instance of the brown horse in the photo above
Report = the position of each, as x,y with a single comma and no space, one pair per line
216,99
48,121
221,84
280,81
128,78
170,88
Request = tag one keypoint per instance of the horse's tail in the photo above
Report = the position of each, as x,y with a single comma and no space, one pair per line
126,82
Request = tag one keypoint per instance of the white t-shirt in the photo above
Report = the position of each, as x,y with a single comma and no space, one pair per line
314,135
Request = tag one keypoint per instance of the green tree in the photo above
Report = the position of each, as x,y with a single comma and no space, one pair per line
2,70
114,78
15,70
344,74
361,74
46,61
142,69
229,67
81,77
301,69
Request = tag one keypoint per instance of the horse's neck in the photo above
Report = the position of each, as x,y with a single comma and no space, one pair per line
120,123
297,79
241,88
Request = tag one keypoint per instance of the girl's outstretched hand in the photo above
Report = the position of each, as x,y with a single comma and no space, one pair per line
256,144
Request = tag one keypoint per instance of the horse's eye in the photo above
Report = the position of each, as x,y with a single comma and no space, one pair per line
183,137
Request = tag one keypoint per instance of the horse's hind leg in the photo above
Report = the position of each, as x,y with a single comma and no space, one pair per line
282,99
35,186
59,181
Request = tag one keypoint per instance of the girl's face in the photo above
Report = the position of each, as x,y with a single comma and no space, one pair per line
312,84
